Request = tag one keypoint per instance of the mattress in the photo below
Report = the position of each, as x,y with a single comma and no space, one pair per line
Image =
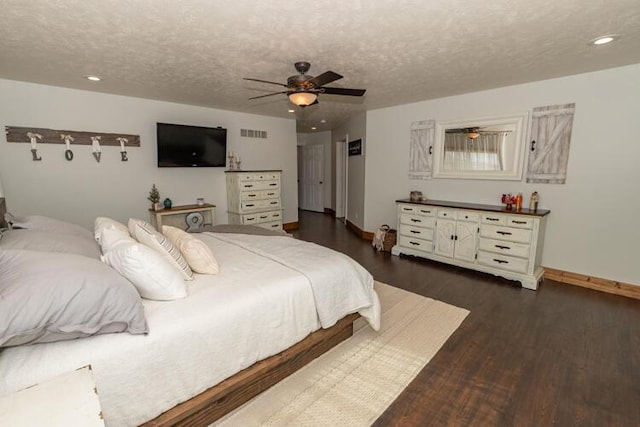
254,308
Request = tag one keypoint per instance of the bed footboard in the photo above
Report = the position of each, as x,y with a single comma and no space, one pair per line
221,399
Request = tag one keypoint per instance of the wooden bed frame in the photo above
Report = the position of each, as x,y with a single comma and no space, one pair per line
214,403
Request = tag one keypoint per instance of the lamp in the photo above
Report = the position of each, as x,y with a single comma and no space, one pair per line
302,99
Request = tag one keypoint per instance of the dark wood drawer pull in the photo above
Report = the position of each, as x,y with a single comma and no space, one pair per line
504,233
502,247
273,184
492,219
415,220
275,203
248,185
415,232
251,195
264,217
519,222
250,205
415,243
501,261
425,212
270,194
407,209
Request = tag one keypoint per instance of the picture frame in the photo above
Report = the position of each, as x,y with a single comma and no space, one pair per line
355,147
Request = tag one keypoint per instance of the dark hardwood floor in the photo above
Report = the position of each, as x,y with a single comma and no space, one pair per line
562,355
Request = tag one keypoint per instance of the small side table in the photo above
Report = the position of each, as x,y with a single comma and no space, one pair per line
176,215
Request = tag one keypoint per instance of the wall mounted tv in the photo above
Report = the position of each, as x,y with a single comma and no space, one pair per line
191,146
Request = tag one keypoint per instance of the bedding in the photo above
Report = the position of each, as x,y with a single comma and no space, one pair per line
46,240
39,222
195,251
102,223
47,297
255,307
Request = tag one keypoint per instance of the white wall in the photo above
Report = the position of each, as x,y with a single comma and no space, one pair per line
593,226
82,189
324,139
355,128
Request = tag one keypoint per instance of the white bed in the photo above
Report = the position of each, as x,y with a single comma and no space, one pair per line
263,301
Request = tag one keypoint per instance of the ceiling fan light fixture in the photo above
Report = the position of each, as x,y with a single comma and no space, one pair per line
302,99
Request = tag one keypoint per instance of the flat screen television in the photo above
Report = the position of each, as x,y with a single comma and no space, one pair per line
191,146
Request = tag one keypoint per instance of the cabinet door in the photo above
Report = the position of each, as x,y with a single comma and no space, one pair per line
445,231
465,241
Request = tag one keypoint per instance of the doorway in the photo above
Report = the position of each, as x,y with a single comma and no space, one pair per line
311,177
341,179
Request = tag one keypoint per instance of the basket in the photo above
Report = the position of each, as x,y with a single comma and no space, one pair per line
384,238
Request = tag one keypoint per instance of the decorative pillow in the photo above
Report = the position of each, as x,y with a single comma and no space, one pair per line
147,235
44,240
150,273
102,223
132,225
38,222
113,237
195,251
47,297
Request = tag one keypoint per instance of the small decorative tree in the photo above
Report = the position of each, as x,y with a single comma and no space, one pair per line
154,196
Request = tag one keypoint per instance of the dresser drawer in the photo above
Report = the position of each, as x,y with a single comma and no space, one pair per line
273,225
416,244
506,248
406,209
249,219
495,219
417,221
259,205
269,184
503,262
269,216
447,213
506,233
426,210
416,232
520,222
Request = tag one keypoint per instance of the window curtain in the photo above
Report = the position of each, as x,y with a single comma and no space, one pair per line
483,153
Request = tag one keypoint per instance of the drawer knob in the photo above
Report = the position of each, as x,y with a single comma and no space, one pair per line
415,220
501,261
502,247
415,243
248,185
504,233
415,232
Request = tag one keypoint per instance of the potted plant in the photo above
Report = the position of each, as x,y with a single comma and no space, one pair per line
154,197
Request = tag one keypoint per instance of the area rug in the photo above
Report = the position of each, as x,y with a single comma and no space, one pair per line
352,384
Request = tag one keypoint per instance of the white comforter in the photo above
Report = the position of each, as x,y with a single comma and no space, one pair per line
254,308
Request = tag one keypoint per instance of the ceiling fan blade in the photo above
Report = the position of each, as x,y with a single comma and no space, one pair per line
264,81
343,91
269,94
324,78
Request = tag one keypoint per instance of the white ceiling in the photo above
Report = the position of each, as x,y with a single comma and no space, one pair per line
197,51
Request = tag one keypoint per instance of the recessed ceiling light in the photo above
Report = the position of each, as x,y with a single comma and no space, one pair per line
323,121
291,110
313,128
599,41
93,78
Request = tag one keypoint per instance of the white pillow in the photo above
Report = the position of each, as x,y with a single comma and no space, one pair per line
110,238
149,272
148,236
102,223
195,251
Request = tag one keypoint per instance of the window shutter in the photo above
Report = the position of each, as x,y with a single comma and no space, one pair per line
549,147
421,149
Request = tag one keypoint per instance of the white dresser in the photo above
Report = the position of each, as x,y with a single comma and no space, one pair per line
253,197
480,237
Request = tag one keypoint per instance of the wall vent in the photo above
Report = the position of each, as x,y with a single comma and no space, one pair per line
250,133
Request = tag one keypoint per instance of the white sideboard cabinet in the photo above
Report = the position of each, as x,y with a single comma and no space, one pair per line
486,238
253,197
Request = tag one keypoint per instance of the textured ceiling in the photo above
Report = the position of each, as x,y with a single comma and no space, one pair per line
197,51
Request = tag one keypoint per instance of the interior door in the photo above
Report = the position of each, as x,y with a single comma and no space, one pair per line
312,180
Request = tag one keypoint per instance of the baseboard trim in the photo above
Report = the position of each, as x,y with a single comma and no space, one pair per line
289,226
595,283
330,211
359,232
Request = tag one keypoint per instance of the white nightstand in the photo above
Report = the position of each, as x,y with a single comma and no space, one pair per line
177,216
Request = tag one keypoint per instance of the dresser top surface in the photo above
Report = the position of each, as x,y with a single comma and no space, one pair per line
476,206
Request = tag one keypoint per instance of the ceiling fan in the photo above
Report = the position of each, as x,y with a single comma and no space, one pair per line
303,90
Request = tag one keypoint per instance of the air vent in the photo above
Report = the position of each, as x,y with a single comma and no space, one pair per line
250,133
